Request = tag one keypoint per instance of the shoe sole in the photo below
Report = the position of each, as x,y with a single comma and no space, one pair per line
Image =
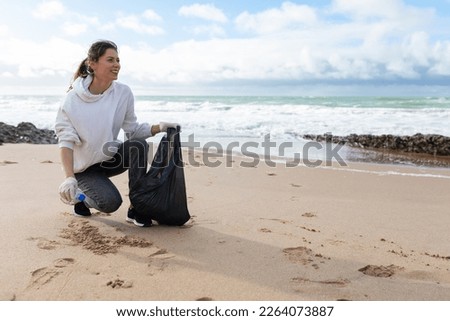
130,220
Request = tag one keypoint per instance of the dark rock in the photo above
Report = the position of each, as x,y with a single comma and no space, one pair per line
436,145
26,133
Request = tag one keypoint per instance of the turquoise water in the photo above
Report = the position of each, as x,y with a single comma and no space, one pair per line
355,102
239,121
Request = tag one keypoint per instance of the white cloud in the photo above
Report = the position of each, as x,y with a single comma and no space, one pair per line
342,51
394,15
210,30
216,60
25,71
4,30
133,22
368,8
416,48
441,55
49,9
76,24
288,43
74,29
203,11
105,27
289,15
7,74
387,9
33,59
151,15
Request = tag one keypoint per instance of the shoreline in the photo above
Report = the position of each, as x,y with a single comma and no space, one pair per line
354,150
385,156
353,155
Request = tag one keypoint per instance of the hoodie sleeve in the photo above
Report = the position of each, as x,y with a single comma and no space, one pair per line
66,133
131,127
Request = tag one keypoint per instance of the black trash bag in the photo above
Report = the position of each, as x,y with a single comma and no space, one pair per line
161,194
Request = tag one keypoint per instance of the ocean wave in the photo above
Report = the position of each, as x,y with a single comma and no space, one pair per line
258,116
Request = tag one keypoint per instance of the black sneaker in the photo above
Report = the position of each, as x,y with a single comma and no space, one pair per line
81,210
132,217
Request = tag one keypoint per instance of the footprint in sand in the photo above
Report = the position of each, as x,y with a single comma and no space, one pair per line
336,282
118,283
332,287
380,271
44,243
309,214
156,267
44,275
157,262
276,220
162,254
63,262
304,256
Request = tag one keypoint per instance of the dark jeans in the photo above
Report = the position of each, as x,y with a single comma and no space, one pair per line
95,182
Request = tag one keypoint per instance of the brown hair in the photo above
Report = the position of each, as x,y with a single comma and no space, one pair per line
96,50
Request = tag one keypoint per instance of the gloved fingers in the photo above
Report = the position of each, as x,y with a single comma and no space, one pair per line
67,190
64,199
163,126
65,195
72,192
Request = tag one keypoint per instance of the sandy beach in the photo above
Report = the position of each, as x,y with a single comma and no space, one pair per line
361,232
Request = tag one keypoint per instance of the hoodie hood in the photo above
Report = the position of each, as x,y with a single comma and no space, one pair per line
81,87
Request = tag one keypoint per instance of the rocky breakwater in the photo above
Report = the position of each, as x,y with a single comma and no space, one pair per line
435,145
26,133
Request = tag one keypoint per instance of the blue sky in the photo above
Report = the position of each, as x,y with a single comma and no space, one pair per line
371,47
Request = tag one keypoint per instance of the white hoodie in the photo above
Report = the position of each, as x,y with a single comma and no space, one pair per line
86,122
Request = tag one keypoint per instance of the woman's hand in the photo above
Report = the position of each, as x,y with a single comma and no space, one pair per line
68,189
163,126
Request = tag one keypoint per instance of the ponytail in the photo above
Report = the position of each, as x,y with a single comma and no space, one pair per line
83,70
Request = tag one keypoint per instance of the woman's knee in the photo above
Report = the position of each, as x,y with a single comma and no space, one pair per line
104,200
102,193
112,207
109,205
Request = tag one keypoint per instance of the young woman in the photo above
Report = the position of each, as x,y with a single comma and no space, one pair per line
88,122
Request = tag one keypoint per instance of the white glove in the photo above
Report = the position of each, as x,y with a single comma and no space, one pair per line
68,189
163,126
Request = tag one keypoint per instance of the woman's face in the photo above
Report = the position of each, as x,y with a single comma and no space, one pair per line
107,67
